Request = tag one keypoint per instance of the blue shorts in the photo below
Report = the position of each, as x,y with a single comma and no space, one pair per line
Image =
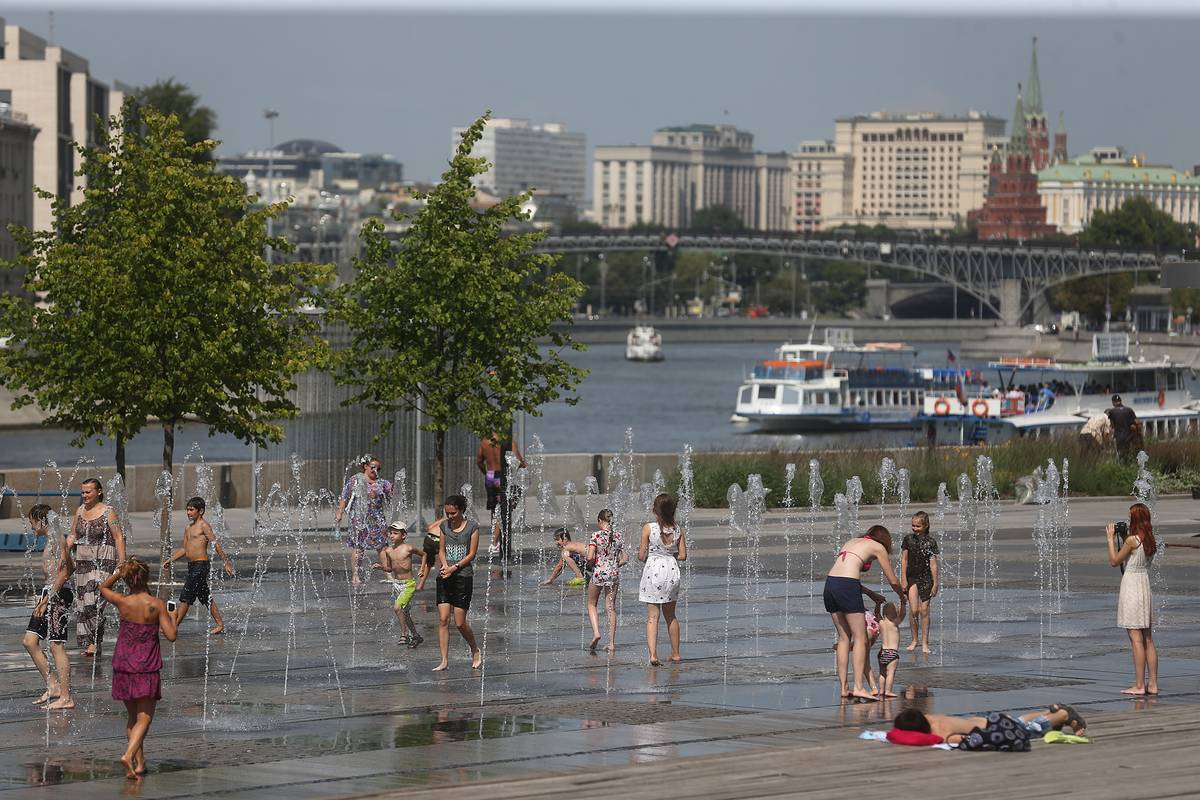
844,595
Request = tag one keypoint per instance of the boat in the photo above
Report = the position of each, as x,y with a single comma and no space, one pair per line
643,343
1038,397
837,384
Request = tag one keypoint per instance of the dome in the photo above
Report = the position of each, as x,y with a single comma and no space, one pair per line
307,147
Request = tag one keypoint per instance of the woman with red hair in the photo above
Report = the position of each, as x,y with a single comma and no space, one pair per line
1135,606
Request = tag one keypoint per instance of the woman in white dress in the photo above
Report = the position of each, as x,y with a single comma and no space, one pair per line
662,548
1135,605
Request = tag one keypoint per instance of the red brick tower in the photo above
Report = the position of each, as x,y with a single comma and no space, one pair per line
1013,209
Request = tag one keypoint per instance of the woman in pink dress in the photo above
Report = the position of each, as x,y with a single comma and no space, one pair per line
136,658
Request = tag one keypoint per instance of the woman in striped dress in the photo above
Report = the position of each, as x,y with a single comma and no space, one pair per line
98,545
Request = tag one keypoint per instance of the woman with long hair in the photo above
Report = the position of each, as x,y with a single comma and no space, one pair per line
1135,605
663,547
97,544
606,551
843,601
137,659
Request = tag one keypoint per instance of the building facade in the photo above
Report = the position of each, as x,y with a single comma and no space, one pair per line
1013,209
17,138
821,180
523,156
311,163
686,169
53,87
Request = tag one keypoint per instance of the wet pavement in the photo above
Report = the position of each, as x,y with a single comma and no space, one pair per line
308,693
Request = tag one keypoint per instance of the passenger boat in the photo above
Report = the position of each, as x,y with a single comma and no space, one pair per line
837,384
643,343
1040,397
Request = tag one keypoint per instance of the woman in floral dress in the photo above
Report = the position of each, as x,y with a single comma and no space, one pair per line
606,551
365,496
662,548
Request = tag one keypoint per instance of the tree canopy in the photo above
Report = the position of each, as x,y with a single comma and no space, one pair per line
169,96
717,219
458,320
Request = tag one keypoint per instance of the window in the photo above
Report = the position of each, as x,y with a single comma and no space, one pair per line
744,394
791,396
766,391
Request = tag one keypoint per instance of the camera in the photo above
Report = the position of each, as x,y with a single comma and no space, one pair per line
1120,530
45,592
172,605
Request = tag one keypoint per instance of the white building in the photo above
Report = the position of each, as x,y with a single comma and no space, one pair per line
524,156
1104,179
687,169
52,87
17,137
821,182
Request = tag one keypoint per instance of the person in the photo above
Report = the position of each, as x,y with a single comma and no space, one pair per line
97,546
1123,419
1096,433
573,555
196,538
1013,729
919,576
1135,605
396,561
136,658
606,552
492,460
1045,397
458,543
365,496
890,618
48,623
843,600
663,546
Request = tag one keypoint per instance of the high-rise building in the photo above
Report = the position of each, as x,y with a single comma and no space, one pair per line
54,89
821,181
16,185
524,156
686,169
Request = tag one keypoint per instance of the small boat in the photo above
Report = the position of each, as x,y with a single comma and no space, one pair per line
643,343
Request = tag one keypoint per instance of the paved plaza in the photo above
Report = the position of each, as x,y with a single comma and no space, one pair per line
308,694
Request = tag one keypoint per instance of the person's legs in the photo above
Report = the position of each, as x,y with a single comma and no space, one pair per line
355,557
843,649
652,632
1151,661
131,723
218,623
610,610
869,673
443,635
464,628
593,600
62,665
926,623
858,644
672,621
889,680
914,602
33,646
135,757
181,611
1139,663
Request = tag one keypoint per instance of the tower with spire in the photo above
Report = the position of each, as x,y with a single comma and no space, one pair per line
1035,116
1013,209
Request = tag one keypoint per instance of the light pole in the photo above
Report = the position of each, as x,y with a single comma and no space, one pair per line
270,115
603,284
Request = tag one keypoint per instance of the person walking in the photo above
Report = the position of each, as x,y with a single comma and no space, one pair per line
1124,426
97,545
492,460
663,546
459,542
365,496
48,623
1135,604
606,551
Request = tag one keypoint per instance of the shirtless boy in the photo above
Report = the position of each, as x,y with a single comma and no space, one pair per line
195,546
889,645
954,729
396,561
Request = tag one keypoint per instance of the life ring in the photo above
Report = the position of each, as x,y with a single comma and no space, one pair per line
941,407
979,408
1162,398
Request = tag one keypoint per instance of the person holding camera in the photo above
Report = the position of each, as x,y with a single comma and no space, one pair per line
1131,546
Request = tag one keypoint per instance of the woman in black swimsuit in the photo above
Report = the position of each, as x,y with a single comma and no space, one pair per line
843,601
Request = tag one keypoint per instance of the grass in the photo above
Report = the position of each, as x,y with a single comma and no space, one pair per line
1174,463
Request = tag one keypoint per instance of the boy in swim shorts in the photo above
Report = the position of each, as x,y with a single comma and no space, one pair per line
396,561
196,538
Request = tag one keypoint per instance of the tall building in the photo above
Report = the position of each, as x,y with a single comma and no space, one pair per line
1105,178
524,156
686,169
54,89
821,182
1013,209
17,137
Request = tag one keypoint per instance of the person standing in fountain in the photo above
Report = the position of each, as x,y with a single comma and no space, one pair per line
196,538
492,460
365,496
48,623
919,576
843,601
663,547
97,545
457,547
137,659
606,551
1135,604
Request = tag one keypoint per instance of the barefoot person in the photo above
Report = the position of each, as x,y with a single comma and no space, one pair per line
136,658
919,576
396,561
663,547
1135,605
196,539
843,601
459,541
49,620
365,496
97,546
890,618
572,555
996,730
606,552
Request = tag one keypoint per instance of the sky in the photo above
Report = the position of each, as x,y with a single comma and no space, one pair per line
395,77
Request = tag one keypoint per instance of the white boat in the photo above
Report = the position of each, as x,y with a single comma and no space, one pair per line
838,384
1156,391
643,343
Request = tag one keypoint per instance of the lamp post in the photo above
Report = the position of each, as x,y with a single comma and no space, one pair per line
603,284
270,115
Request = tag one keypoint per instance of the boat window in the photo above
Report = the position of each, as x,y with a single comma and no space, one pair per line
1145,380
744,395
1171,384
766,391
895,398
791,396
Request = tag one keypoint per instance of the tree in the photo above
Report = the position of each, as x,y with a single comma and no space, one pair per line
156,300
717,219
454,321
169,96
1135,225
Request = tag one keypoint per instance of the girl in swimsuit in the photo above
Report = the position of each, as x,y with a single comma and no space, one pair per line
843,601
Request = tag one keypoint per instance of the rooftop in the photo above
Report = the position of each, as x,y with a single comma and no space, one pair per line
1086,169
919,116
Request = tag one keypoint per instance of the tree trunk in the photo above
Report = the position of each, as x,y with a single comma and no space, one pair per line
168,502
121,461
439,472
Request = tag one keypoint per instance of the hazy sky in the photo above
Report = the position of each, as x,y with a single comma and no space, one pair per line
397,81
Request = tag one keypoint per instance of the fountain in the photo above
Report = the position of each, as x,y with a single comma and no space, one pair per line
685,506
816,493
789,476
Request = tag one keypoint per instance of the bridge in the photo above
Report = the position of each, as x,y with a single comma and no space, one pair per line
1006,279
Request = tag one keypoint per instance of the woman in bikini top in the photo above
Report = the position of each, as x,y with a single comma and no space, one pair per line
864,553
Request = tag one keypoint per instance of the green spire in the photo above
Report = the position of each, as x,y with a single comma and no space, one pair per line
1034,86
1018,142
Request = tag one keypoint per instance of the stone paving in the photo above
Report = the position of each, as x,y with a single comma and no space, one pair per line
308,695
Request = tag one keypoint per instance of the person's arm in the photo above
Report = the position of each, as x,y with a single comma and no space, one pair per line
1117,558
555,572
166,622
433,526
933,571
441,556
903,566
903,604
517,452
644,547
211,536
384,563
106,591
343,501
874,595
177,554
118,534
570,562
589,553
885,564
682,555
480,460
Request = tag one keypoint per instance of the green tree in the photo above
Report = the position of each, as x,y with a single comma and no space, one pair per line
717,219
1135,225
155,299
169,96
457,318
